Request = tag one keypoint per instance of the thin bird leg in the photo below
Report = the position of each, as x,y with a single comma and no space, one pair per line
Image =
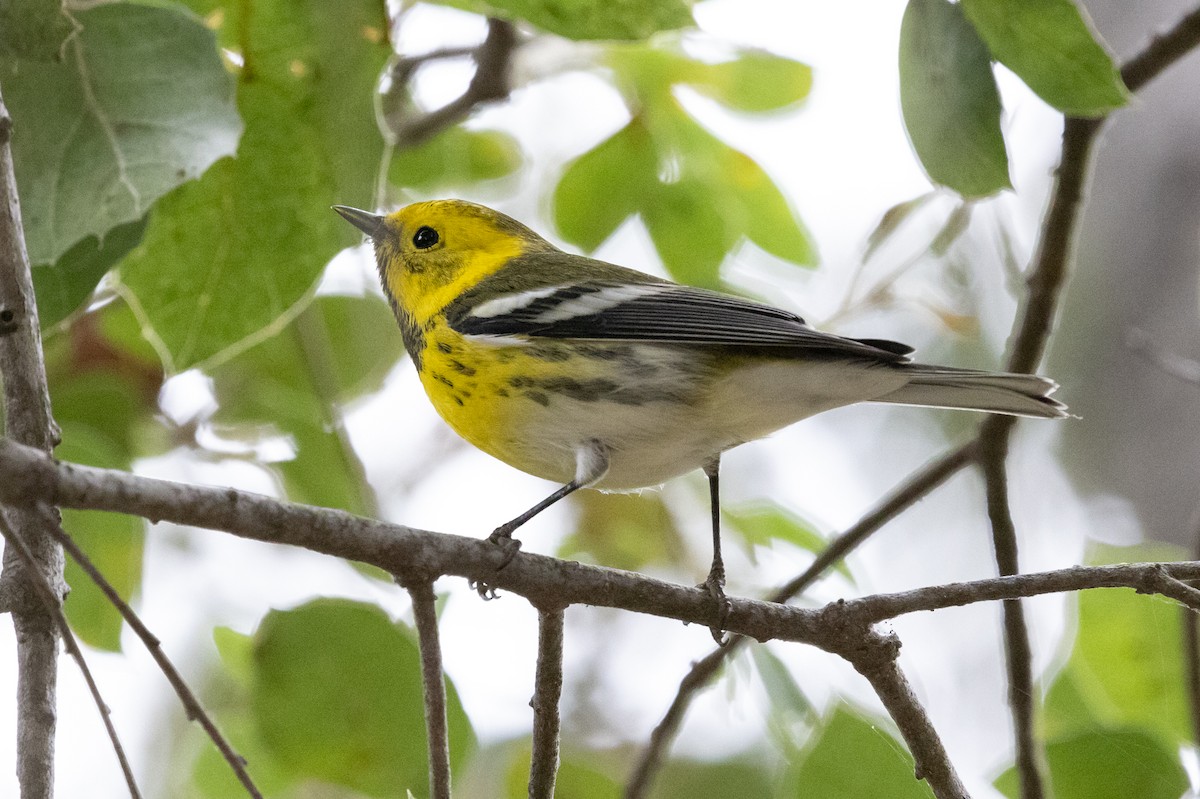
715,584
591,462
503,534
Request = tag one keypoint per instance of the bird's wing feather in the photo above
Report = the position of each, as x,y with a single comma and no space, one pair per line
658,312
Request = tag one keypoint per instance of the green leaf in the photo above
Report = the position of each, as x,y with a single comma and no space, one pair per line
1109,764
606,185
456,157
292,383
949,99
755,81
1128,661
589,19
623,531
763,524
575,780
228,256
338,697
769,220
62,286
140,104
97,411
34,29
1051,46
689,230
851,758
685,779
785,694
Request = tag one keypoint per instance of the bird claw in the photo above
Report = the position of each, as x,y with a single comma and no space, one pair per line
509,546
715,585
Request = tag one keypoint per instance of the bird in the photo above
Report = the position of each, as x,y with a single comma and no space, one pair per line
594,375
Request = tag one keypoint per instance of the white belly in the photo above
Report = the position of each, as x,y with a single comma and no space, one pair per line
649,443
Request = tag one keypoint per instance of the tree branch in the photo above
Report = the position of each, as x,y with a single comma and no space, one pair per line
27,419
1018,654
493,59
875,659
53,605
547,691
195,711
705,670
437,729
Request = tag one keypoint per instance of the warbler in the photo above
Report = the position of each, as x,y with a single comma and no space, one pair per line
593,375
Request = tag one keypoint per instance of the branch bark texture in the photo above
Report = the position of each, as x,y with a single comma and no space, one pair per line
27,419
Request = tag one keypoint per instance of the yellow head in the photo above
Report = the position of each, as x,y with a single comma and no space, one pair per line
428,253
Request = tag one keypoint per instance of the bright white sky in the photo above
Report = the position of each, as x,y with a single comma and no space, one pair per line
843,159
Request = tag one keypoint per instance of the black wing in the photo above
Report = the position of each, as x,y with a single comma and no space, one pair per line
658,312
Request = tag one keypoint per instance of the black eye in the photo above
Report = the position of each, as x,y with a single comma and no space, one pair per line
424,238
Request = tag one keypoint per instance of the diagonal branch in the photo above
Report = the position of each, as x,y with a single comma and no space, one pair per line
491,83
195,711
705,670
53,605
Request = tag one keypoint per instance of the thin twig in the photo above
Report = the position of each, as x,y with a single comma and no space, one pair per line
547,690
490,83
703,671
433,678
27,419
1145,578
1191,643
1162,52
195,711
54,608
1017,650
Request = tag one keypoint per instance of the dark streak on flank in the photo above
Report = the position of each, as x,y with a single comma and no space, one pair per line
462,368
444,347
539,398
442,379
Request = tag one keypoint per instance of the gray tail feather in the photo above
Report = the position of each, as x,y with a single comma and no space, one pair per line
969,389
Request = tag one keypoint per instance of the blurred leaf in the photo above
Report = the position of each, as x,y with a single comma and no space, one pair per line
949,99
248,241
686,779
755,81
1067,711
689,230
97,412
589,19
1108,764
697,196
338,697
956,224
1051,46
891,221
763,524
61,287
1128,662
456,157
851,758
576,779
769,220
148,105
211,774
290,384
606,185
34,29
623,531
783,691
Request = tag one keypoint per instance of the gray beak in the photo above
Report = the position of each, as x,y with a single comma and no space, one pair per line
365,221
